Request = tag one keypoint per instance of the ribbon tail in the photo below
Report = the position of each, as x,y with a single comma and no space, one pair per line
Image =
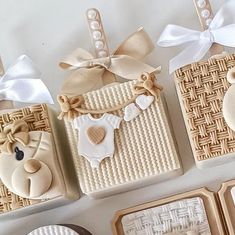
25,90
83,80
225,15
24,68
138,45
193,53
129,68
225,35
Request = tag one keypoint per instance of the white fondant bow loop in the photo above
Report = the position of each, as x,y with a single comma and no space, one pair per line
221,31
22,83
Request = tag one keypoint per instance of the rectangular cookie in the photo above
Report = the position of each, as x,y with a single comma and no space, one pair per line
31,132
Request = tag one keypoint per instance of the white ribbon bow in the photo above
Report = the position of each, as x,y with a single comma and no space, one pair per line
22,83
221,31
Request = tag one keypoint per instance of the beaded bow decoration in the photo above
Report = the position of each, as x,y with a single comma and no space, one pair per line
93,72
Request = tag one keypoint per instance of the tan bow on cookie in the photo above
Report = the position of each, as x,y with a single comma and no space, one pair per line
15,132
68,106
93,73
146,84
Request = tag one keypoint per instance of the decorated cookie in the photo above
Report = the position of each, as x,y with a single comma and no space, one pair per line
27,166
67,229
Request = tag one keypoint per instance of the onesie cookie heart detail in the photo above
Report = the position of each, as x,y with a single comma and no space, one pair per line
96,134
131,112
144,101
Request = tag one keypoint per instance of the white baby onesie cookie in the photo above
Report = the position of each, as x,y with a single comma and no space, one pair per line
96,136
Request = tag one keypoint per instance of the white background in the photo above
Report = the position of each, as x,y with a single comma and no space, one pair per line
47,30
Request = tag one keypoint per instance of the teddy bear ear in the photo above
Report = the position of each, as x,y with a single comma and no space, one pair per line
231,75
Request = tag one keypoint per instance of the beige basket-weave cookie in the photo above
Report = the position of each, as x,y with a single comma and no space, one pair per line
144,150
37,119
201,87
179,216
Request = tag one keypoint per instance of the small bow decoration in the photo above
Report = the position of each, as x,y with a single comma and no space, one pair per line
15,132
146,84
22,83
221,30
68,106
93,73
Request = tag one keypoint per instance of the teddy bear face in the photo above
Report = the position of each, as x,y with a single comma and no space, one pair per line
29,170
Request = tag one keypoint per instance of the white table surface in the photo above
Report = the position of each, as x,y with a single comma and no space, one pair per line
47,30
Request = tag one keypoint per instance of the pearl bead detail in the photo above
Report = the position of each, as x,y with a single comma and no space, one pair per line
97,35
205,14
201,3
91,14
102,53
94,24
99,45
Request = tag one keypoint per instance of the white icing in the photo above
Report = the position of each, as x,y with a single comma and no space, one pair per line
131,112
229,101
43,183
95,153
53,230
144,101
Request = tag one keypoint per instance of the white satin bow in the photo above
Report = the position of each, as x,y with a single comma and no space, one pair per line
22,83
221,31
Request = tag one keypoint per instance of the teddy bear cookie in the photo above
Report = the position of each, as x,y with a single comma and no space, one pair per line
26,166
68,229
35,171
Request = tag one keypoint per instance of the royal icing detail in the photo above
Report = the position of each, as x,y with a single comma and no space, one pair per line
96,136
131,112
53,230
229,101
144,101
27,165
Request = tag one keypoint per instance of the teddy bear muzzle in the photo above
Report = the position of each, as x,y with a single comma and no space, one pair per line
32,179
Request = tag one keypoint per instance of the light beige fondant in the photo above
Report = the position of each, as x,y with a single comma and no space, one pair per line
35,176
145,151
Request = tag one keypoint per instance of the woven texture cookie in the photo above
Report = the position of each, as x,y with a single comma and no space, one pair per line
145,151
187,216
201,88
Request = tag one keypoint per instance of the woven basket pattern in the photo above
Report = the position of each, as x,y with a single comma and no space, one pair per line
179,216
201,88
37,119
144,146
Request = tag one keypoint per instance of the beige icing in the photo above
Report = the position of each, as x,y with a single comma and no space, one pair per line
35,176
